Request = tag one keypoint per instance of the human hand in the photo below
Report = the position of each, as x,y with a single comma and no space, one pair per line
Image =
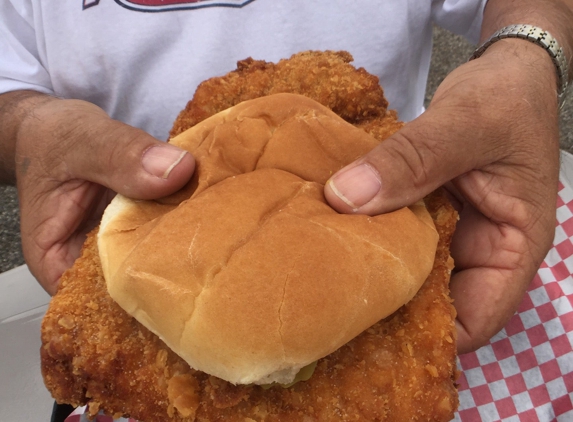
490,135
70,159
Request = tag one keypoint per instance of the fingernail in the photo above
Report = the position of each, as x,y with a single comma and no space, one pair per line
357,186
161,159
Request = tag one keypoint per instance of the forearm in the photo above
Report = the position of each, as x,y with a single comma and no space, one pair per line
554,16
14,108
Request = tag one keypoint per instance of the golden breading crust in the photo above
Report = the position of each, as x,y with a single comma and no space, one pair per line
401,369
326,77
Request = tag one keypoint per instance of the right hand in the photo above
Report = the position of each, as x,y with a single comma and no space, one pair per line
70,159
490,135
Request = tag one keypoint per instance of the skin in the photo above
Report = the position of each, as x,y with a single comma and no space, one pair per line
490,135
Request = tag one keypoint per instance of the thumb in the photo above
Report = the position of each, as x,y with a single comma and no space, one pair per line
404,168
126,160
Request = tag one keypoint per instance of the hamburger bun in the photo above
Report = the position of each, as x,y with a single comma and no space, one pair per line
247,273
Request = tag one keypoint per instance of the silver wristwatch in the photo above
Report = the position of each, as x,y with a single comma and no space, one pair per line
543,39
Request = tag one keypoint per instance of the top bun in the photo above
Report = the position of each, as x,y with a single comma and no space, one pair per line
247,273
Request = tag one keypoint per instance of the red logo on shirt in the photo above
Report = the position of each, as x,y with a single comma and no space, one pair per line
167,5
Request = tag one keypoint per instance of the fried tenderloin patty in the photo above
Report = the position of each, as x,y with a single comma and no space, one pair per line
401,369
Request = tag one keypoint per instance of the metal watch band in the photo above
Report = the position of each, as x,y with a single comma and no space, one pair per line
543,39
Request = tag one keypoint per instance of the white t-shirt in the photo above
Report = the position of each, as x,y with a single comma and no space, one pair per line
141,60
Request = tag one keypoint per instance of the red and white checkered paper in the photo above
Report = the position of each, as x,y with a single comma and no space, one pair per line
525,373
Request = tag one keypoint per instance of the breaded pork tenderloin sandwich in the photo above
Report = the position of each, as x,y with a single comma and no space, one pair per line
244,296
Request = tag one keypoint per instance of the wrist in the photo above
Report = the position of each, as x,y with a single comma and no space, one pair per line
539,38
553,16
529,65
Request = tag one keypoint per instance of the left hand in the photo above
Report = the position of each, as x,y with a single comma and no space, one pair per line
491,130
71,158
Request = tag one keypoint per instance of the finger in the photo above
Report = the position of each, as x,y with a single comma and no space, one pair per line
494,266
129,161
54,226
423,155
485,300
72,139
